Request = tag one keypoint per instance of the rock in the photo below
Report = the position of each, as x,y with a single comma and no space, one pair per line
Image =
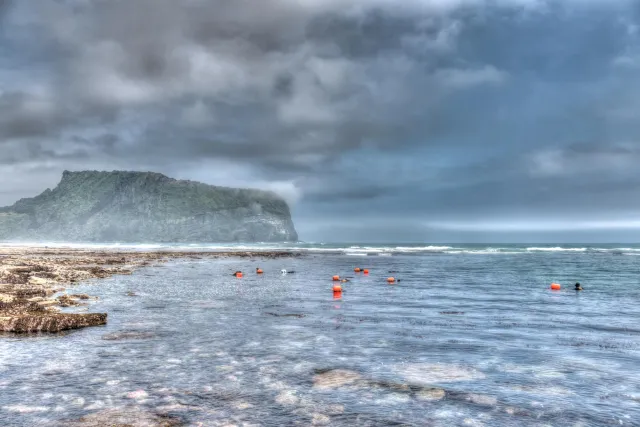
125,417
47,303
138,395
287,398
426,373
79,296
50,322
7,298
320,420
146,207
431,394
127,335
38,280
297,315
67,301
482,399
334,378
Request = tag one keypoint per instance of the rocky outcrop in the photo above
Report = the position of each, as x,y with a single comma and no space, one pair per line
23,316
120,206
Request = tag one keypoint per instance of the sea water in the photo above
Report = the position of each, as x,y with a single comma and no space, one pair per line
469,336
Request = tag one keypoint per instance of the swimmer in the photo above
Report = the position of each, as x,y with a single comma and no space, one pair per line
283,271
578,287
345,280
236,273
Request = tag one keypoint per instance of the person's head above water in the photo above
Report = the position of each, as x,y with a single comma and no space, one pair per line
578,287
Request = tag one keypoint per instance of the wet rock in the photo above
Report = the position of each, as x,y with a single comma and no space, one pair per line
334,378
127,335
47,303
67,301
125,417
49,322
79,296
425,373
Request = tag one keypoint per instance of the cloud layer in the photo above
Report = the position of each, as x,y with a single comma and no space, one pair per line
395,113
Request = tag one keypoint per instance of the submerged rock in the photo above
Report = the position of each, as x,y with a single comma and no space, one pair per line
125,417
127,335
432,394
287,398
482,399
335,378
426,373
320,420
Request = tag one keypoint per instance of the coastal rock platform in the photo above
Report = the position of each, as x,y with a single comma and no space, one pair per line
31,277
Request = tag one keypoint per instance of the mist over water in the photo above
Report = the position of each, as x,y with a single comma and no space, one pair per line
471,335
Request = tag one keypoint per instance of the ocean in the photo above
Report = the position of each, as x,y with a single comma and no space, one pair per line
471,335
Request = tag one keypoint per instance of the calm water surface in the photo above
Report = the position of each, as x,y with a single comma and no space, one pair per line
463,340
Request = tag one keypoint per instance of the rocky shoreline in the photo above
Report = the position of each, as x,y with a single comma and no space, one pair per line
30,277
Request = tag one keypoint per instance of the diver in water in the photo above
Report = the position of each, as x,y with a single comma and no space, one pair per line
578,287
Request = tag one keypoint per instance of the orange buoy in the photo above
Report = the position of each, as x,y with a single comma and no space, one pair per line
259,271
391,280
555,286
357,270
337,288
365,271
336,278
239,275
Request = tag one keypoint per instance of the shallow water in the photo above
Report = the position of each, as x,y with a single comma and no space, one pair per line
463,340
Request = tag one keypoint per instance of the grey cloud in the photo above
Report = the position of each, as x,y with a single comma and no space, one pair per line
475,96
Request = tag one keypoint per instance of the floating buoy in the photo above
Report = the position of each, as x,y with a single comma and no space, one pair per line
336,278
239,275
259,271
555,286
391,280
365,271
357,270
337,288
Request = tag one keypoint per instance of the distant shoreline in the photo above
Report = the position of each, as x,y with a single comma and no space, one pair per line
31,275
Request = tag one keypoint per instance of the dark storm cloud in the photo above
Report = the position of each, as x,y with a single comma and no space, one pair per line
420,111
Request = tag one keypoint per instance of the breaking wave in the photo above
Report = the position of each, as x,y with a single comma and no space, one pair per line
349,249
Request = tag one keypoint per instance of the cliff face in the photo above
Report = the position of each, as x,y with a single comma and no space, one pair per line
119,206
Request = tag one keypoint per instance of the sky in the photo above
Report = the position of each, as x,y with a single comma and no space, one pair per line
377,120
